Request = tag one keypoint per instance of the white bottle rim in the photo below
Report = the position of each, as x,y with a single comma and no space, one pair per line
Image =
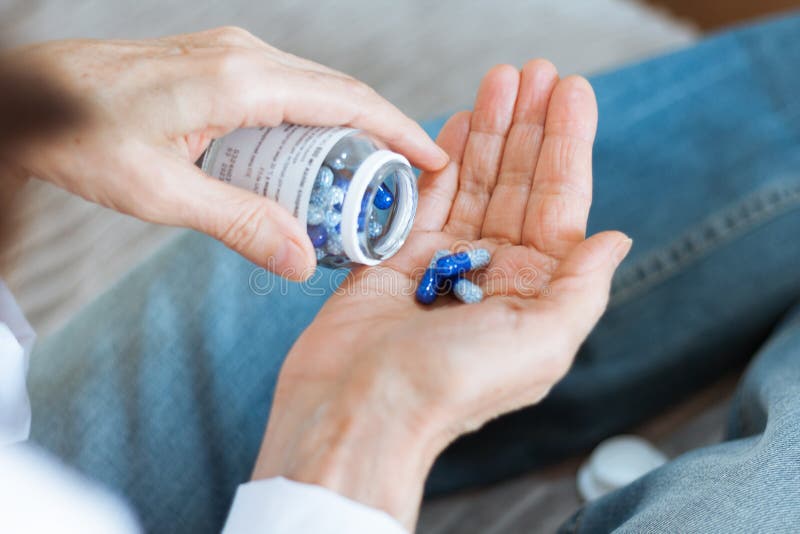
351,207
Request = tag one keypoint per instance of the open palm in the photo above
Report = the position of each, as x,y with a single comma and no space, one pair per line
518,184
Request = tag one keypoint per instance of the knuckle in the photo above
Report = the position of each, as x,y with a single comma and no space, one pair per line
232,64
359,89
234,36
241,231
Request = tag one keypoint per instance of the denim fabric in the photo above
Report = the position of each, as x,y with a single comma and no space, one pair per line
749,483
698,160
161,388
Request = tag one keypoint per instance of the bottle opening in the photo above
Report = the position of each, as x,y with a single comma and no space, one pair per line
388,227
379,211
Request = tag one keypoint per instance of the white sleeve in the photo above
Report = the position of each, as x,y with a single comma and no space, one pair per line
38,494
282,506
16,341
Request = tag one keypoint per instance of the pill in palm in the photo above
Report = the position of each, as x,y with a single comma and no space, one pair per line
429,286
467,292
461,262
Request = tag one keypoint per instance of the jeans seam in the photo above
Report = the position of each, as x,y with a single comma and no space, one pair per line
721,227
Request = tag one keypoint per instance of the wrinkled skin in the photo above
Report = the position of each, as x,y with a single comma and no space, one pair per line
378,385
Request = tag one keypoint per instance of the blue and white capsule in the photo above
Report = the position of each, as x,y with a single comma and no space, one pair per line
461,262
429,286
467,292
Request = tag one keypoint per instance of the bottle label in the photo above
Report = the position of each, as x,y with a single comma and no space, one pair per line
278,162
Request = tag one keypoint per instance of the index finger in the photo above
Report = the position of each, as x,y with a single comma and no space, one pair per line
242,87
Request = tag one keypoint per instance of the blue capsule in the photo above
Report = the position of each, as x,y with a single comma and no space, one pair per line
428,288
430,285
467,292
384,198
461,262
318,235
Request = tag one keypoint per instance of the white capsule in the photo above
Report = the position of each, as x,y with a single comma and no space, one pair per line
319,196
316,215
337,163
375,229
479,258
332,218
334,245
324,178
335,196
467,292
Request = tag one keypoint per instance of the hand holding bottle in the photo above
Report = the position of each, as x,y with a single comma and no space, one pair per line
149,109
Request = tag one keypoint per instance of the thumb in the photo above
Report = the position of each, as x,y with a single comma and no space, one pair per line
256,227
582,282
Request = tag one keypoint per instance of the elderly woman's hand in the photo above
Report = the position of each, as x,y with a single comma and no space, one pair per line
151,107
378,385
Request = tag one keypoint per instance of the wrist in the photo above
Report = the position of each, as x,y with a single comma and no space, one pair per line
365,441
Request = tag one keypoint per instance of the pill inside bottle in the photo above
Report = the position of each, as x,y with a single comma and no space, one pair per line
357,199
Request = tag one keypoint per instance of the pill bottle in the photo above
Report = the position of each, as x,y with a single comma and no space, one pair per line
357,199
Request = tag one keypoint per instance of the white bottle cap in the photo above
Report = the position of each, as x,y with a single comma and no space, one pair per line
405,206
617,462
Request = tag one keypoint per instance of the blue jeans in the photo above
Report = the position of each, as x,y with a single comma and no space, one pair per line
161,388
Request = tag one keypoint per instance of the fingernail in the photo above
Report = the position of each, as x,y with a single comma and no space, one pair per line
445,157
291,260
621,250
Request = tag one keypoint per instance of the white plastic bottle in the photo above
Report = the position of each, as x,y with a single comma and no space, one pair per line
357,199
